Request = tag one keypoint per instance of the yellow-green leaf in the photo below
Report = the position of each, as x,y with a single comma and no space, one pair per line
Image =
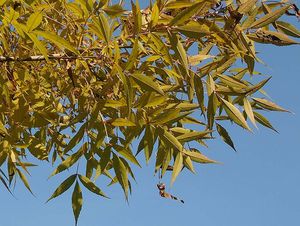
71,160
263,121
269,18
122,122
177,167
75,139
187,13
147,83
2,128
288,29
249,111
172,139
91,186
24,180
121,174
235,114
268,105
63,187
126,153
188,163
225,136
246,6
77,201
196,156
196,59
34,21
57,40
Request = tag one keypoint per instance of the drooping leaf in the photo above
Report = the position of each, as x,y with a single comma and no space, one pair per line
71,160
24,180
263,121
91,186
177,166
63,187
77,201
225,136
121,174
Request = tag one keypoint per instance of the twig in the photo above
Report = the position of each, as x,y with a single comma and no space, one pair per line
41,58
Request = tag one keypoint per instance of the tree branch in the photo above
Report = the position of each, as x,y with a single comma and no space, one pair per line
41,58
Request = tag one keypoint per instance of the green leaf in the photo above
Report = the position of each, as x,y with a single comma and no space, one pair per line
39,45
180,52
63,187
188,163
257,87
246,6
24,180
269,18
2,128
91,186
71,160
147,83
126,153
272,37
114,10
249,111
196,59
121,174
195,135
225,136
105,158
122,122
288,29
196,156
177,167
178,4
235,114
137,16
57,40
211,110
187,13
266,104
154,15
77,201
171,139
34,21
104,27
199,92
75,139
263,121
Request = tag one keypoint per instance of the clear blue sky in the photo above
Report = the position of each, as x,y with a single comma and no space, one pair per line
257,186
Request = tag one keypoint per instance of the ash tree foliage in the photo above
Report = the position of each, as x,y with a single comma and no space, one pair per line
82,80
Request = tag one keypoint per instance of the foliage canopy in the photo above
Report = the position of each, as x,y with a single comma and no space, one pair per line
82,80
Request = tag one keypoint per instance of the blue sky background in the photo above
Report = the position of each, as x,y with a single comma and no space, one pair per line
257,186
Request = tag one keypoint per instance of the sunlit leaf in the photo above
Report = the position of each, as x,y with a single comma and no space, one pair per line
270,17
177,166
